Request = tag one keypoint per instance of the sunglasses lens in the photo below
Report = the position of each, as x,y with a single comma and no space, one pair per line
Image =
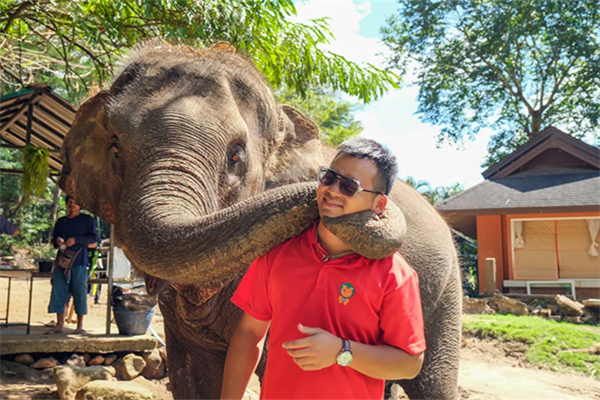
348,187
326,177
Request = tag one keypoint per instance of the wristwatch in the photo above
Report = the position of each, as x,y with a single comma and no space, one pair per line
345,357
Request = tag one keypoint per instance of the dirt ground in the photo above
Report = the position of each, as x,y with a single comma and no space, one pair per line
488,370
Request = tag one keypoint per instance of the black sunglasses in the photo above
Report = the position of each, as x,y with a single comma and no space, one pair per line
348,186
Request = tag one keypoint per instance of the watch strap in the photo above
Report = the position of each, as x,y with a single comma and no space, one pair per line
346,345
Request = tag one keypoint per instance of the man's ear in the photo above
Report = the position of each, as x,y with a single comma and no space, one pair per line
380,203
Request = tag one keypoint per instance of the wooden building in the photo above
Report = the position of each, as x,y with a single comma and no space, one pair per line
538,215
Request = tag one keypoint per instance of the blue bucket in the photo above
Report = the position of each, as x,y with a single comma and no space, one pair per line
133,322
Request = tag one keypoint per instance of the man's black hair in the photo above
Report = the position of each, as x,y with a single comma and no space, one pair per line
69,197
368,149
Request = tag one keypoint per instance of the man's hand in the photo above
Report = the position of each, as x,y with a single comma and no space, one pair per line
70,242
59,241
317,351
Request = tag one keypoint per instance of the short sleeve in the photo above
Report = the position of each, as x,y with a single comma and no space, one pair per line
401,318
252,294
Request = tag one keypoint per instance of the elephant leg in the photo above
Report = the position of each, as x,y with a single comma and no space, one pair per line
438,378
195,371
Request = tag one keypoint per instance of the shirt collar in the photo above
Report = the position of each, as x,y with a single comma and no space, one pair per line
351,259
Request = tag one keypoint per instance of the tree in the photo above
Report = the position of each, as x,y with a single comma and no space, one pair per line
75,44
516,66
34,219
334,116
418,185
445,192
431,194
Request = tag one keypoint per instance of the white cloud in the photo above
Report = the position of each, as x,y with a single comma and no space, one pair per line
344,21
391,120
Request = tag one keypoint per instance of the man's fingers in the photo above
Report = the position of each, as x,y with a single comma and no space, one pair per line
307,330
297,344
306,363
298,353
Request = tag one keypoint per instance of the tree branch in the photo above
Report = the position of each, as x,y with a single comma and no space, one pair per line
558,82
14,15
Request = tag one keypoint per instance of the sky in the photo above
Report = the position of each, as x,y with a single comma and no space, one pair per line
392,120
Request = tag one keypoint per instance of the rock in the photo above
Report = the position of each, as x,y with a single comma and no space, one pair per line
163,353
592,303
535,312
507,305
573,320
588,317
592,306
553,308
569,307
19,371
44,363
86,357
76,360
476,306
137,389
594,349
110,359
129,367
111,370
545,313
98,360
556,318
24,359
70,379
155,367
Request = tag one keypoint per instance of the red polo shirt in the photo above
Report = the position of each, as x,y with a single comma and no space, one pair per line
353,297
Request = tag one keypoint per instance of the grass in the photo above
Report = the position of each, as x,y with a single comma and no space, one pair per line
551,343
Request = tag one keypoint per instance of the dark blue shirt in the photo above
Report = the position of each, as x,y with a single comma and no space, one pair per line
6,226
82,228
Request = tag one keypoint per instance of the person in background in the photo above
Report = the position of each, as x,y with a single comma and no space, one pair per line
7,227
75,231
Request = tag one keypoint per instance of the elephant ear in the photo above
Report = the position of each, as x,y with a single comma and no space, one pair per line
296,152
368,234
86,173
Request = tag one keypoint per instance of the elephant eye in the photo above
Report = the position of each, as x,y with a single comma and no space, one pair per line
235,156
114,146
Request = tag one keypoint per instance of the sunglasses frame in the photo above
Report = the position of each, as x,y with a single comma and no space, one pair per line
341,178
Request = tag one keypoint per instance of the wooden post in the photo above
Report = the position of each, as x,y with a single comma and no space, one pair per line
490,276
111,258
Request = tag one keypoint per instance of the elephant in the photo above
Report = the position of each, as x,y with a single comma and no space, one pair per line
199,169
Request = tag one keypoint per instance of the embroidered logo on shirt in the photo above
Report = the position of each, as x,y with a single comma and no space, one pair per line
346,291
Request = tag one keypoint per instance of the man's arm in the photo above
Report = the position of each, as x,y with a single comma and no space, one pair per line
243,355
55,234
90,237
320,349
385,362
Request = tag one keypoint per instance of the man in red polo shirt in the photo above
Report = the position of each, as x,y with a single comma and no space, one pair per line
340,324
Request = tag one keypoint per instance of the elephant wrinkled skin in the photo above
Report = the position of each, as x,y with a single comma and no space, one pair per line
201,172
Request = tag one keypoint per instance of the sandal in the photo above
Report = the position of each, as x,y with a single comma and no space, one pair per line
53,331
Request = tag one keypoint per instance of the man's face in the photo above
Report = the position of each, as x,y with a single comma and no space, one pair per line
72,207
332,203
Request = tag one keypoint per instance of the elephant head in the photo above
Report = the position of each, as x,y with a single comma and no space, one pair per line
178,154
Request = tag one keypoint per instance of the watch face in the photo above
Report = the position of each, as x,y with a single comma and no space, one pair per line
344,358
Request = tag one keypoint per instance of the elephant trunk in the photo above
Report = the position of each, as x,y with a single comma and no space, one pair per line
170,241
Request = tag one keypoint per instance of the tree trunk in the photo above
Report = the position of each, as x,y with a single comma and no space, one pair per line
536,123
54,212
